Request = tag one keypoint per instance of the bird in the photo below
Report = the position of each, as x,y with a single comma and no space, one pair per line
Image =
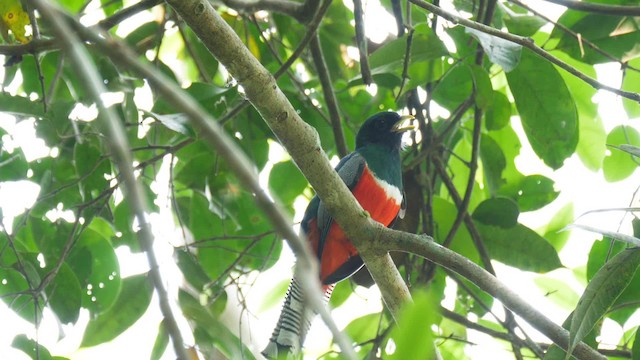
373,174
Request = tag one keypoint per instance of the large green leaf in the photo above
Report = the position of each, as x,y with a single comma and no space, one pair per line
617,36
625,306
131,304
493,163
618,165
195,213
91,167
31,348
96,266
636,346
65,295
20,106
531,192
505,53
520,247
286,182
602,291
500,211
13,166
631,82
14,291
414,338
454,87
554,230
547,109
498,114
162,340
389,58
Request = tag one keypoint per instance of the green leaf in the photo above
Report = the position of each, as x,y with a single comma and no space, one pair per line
96,266
176,122
455,87
557,353
482,86
196,215
276,295
500,211
501,52
365,327
635,350
65,295
591,145
615,35
531,192
389,58
598,255
523,25
444,214
520,247
493,163
553,231
547,109
143,37
191,269
28,346
619,165
631,82
557,291
91,167
498,114
414,339
14,290
286,182
131,304
162,340
13,166
602,291
20,107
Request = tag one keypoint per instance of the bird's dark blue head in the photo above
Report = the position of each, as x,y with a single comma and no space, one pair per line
383,129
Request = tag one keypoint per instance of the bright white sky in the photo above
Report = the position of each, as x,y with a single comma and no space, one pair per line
587,190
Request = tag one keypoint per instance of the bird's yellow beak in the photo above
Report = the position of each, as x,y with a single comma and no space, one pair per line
404,124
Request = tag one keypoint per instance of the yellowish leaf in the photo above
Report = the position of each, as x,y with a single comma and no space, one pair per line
13,18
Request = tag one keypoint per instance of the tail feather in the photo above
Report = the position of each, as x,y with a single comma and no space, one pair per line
293,324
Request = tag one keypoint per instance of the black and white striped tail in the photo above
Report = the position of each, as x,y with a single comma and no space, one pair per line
293,324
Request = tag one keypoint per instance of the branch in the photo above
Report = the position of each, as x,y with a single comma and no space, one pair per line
361,40
605,9
118,143
286,7
329,95
526,43
385,239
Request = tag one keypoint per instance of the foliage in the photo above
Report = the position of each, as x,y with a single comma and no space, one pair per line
464,185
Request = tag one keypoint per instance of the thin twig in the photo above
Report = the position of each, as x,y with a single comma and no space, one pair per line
573,34
605,9
329,95
361,41
527,43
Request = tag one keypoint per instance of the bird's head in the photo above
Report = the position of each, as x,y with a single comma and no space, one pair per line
384,128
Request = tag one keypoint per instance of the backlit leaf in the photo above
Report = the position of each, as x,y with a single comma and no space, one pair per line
547,109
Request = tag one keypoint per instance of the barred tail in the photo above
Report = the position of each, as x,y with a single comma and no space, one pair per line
293,324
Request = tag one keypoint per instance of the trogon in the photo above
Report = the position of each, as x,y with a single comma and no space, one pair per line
373,174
